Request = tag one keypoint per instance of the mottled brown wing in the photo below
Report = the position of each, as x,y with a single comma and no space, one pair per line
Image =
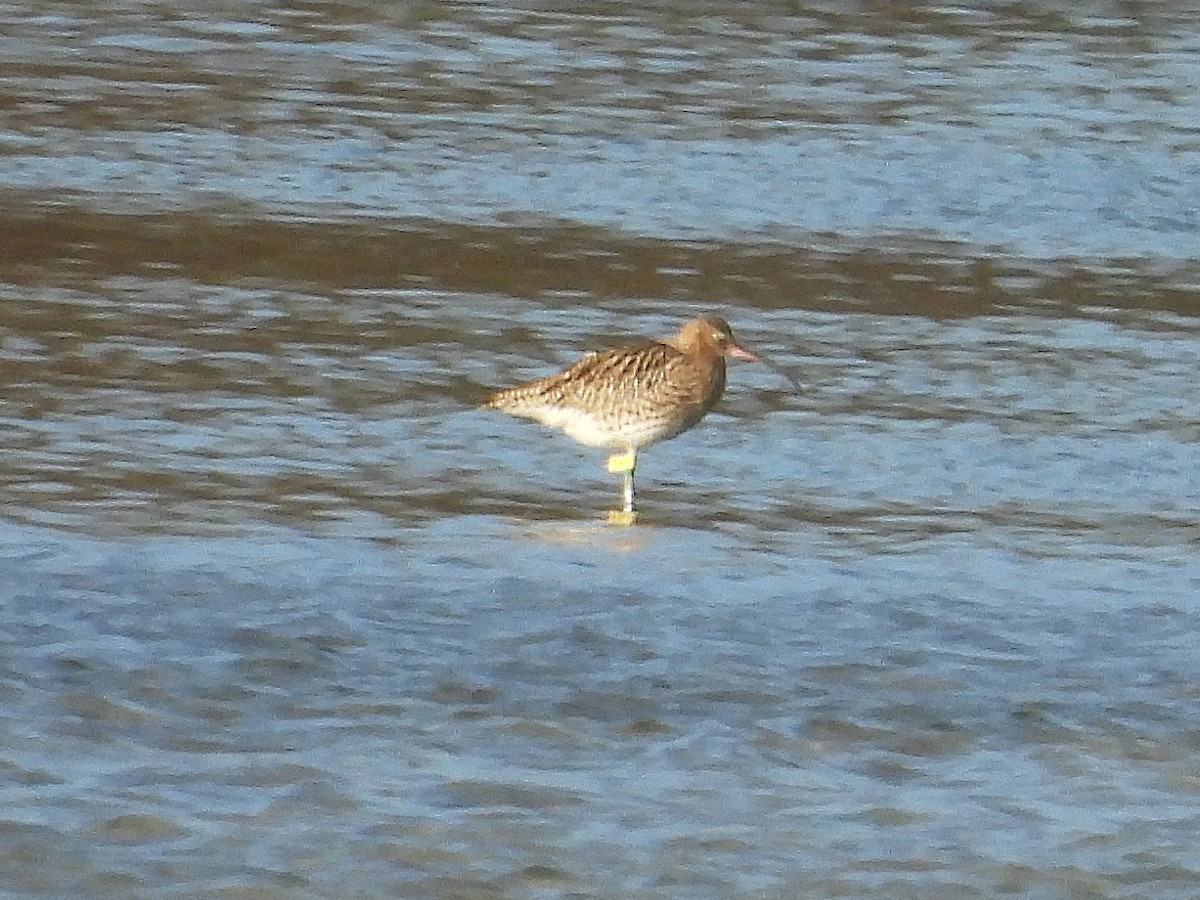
602,383
627,398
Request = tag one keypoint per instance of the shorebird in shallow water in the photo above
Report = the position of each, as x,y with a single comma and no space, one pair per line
632,397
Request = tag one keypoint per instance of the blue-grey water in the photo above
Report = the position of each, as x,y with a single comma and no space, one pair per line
282,614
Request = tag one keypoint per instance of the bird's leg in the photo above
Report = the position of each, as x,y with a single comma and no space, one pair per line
624,464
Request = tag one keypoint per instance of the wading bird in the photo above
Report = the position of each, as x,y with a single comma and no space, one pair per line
631,397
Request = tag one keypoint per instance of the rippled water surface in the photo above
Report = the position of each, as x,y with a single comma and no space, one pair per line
282,614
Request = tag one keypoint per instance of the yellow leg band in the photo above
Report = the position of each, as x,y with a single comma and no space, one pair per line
620,463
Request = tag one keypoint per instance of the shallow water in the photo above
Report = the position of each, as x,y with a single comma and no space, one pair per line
284,615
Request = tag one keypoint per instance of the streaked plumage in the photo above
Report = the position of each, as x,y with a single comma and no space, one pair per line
632,397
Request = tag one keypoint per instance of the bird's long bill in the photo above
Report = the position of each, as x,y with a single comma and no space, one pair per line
739,352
